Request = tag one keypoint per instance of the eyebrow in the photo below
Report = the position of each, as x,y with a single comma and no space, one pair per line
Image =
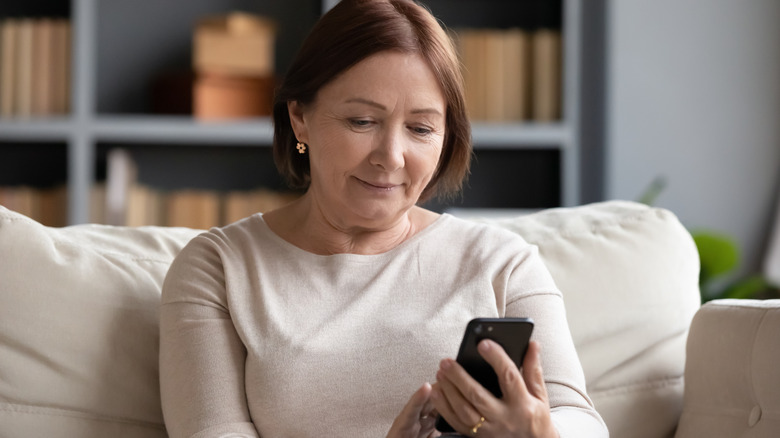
384,108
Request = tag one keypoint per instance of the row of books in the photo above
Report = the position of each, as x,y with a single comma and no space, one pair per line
512,74
35,59
198,209
48,206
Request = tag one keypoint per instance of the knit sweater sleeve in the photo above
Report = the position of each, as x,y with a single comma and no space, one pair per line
531,292
201,355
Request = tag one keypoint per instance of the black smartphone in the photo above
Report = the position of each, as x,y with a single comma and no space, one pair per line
513,334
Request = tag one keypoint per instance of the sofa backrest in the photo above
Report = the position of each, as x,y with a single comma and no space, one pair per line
79,317
629,275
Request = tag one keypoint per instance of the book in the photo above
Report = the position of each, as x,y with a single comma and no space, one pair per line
197,209
144,206
61,64
47,205
24,68
546,79
97,203
471,44
41,80
517,75
497,73
53,206
8,56
494,75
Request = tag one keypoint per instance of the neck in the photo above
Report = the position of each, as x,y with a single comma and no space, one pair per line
308,227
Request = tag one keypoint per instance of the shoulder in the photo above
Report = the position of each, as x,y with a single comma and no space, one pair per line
202,264
218,245
480,243
231,235
480,232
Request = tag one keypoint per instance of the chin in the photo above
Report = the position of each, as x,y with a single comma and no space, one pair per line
379,216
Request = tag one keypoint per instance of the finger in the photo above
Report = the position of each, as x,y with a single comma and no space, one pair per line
414,407
468,398
509,379
461,408
427,418
446,410
533,374
442,405
427,425
410,415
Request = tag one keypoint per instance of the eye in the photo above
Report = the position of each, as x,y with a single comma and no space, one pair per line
359,123
421,130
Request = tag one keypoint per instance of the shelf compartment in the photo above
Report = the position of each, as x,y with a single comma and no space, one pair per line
512,179
33,179
203,167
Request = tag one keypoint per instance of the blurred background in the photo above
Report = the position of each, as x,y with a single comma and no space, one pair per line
154,112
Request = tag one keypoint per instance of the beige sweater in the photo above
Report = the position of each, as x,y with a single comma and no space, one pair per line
261,338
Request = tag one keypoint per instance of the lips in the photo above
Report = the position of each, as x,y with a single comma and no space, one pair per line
376,185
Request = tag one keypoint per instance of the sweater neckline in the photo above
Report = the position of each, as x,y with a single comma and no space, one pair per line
300,252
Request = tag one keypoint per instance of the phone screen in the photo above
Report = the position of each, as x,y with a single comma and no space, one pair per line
512,334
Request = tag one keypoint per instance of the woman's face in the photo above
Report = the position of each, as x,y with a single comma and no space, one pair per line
375,135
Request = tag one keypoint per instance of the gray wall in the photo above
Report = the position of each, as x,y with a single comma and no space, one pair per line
693,95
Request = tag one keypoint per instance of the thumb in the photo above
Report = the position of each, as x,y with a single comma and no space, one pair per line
409,418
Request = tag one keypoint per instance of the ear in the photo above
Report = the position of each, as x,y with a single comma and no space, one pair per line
297,120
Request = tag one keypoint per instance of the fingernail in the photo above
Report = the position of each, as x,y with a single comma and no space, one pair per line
446,364
484,345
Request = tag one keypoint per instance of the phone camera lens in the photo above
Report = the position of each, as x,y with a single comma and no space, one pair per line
478,329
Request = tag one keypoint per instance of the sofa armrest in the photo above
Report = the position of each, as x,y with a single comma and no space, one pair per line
732,371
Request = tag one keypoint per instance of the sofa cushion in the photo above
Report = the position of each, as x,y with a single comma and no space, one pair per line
732,380
79,328
629,275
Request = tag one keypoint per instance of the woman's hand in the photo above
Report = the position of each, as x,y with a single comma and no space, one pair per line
417,419
524,410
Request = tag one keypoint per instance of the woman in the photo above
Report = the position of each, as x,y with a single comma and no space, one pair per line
328,317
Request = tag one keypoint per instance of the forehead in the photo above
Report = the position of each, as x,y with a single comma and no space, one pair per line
388,76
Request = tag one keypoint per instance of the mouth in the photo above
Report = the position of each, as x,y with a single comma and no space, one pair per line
377,186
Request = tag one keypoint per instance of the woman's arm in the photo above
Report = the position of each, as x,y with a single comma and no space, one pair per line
572,410
548,391
201,355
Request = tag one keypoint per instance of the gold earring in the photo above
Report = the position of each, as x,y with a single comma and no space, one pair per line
301,148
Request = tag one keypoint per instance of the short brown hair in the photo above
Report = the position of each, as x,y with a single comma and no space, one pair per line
350,32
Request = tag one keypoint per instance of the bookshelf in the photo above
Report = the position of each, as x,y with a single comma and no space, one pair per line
117,48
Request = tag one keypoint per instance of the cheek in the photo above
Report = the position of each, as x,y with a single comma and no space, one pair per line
338,154
431,157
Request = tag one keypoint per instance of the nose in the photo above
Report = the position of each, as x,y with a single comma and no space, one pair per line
388,153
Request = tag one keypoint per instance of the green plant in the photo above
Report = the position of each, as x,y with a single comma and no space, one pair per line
719,256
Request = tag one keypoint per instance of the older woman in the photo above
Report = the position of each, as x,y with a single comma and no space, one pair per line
328,317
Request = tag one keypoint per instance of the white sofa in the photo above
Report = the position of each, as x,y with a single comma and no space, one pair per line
79,327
